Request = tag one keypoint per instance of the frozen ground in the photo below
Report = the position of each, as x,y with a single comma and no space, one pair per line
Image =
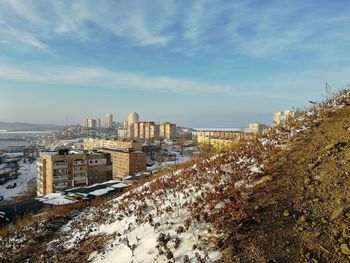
26,172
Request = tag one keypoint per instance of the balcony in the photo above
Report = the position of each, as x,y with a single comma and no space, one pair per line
79,162
60,165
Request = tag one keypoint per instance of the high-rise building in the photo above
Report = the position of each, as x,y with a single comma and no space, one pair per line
143,131
92,123
57,171
167,130
133,117
125,124
85,123
108,120
98,123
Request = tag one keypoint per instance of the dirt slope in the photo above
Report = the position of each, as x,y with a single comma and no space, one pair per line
303,215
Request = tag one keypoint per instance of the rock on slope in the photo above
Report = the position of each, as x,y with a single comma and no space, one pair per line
281,198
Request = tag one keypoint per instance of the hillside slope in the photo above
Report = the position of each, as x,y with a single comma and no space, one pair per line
281,198
304,214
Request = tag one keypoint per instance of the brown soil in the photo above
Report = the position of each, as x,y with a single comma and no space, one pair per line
303,215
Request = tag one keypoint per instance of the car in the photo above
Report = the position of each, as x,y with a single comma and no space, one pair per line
11,186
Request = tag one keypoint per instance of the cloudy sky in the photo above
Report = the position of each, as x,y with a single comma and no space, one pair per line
197,63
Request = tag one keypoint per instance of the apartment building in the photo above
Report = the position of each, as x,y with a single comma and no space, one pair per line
220,139
280,116
57,171
122,134
167,130
133,117
108,120
223,134
143,131
102,144
127,162
218,144
257,128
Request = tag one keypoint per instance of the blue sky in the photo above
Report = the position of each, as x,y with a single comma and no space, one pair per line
196,63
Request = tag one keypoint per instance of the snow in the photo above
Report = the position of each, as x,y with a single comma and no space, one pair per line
13,155
120,185
55,199
103,191
27,172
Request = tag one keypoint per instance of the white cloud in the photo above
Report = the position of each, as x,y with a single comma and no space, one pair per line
253,28
104,78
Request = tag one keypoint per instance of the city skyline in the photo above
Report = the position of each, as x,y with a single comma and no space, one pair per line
203,64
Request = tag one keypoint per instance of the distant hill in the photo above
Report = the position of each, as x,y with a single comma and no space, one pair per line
22,126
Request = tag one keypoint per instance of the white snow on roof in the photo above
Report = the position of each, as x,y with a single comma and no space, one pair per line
55,199
103,191
13,155
120,185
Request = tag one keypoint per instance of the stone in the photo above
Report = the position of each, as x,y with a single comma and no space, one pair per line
286,213
337,213
302,219
345,249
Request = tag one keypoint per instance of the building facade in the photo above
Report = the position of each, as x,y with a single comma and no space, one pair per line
257,128
57,171
92,123
102,144
280,116
167,130
127,163
122,134
108,120
133,117
143,131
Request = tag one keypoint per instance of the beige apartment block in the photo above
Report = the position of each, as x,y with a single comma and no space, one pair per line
108,120
127,163
103,144
133,117
57,171
167,130
257,128
143,131
280,117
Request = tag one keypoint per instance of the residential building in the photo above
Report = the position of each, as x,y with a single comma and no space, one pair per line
92,123
257,128
85,123
127,163
143,131
122,134
133,117
98,123
103,144
125,125
108,120
57,171
235,135
218,144
167,130
280,117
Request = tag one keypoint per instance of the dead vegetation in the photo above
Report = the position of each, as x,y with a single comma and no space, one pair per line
269,200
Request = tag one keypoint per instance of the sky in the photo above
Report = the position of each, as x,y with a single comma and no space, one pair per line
197,63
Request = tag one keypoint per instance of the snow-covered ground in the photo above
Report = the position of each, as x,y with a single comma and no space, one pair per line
26,172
